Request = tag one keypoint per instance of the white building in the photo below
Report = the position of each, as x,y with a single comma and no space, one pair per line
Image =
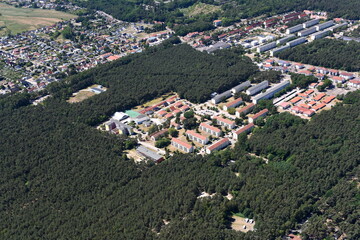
184,146
240,87
266,47
223,143
257,88
296,42
194,136
225,122
277,50
294,29
324,25
307,32
319,35
285,39
221,97
258,115
210,129
233,104
311,23
271,91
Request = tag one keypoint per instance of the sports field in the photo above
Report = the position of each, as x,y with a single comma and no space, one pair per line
15,20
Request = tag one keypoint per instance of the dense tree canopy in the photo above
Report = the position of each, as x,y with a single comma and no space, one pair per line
62,178
329,53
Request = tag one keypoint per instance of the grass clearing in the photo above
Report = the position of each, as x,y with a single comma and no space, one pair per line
200,9
83,94
16,20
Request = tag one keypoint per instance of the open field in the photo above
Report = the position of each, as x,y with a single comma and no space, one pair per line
239,223
16,20
83,94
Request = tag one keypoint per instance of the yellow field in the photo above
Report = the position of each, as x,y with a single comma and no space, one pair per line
16,20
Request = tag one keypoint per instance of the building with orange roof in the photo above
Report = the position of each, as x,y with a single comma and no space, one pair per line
328,99
303,105
194,136
295,100
210,129
319,96
223,143
262,113
233,104
245,110
245,129
318,106
184,146
225,122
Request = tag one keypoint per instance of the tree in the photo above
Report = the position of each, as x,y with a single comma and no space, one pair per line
162,143
189,114
173,132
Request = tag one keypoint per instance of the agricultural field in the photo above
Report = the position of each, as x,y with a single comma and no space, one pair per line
15,20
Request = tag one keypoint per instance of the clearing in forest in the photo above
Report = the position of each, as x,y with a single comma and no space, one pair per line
200,9
86,93
239,223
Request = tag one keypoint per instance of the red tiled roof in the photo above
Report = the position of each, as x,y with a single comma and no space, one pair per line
195,134
295,99
178,141
245,128
215,129
328,99
224,120
261,113
319,96
251,105
236,101
218,143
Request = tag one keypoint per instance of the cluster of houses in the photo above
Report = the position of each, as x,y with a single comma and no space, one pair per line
336,76
43,59
44,4
307,103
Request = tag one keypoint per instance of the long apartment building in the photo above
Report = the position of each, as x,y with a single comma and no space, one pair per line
225,122
194,136
244,110
245,129
184,146
233,104
262,113
210,129
257,88
223,143
271,91
240,87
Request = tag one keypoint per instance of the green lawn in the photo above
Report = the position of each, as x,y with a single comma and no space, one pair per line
16,20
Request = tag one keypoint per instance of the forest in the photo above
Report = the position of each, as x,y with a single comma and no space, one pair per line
328,53
231,11
63,179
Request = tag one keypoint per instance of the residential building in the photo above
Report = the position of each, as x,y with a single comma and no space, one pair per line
307,32
245,129
155,136
285,105
303,111
221,97
319,96
310,23
285,39
271,91
294,29
225,122
210,129
257,88
223,143
354,83
277,50
324,25
346,75
184,146
296,42
262,113
233,104
217,23
149,154
194,136
266,47
328,99
240,87
319,35
245,110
